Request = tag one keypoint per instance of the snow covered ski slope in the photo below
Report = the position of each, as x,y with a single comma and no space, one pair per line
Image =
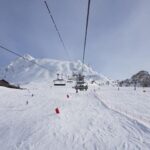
127,101
86,121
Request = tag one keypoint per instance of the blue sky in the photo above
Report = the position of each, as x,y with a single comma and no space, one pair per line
118,43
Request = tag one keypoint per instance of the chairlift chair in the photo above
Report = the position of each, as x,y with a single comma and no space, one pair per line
59,82
81,84
70,80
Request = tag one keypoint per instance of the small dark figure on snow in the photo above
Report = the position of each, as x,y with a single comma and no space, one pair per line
76,90
118,88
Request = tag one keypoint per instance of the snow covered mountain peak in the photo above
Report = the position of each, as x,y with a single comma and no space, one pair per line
21,60
28,57
23,71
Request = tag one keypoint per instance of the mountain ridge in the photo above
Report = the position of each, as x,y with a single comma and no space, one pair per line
141,79
27,69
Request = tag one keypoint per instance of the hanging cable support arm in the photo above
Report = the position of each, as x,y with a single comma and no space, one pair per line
86,29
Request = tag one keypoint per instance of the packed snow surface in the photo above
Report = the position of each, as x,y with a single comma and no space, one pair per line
128,101
92,120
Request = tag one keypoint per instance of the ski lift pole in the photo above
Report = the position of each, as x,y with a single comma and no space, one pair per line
85,38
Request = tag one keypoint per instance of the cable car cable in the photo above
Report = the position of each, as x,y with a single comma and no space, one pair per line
19,55
56,28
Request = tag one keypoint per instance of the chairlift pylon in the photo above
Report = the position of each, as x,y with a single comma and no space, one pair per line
80,83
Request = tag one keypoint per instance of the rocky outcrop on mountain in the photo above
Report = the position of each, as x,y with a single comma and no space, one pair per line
8,85
141,79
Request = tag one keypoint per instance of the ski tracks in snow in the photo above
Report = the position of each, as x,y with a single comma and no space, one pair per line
138,134
84,123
